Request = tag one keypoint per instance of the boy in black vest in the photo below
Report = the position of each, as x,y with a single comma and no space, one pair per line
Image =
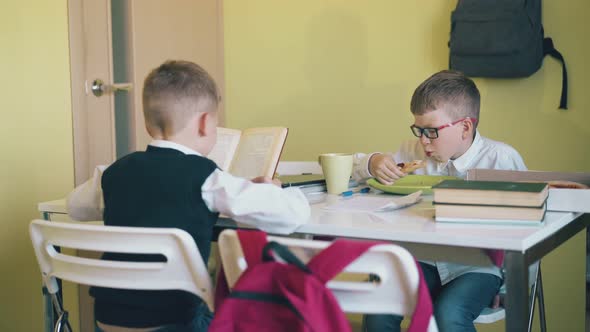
173,184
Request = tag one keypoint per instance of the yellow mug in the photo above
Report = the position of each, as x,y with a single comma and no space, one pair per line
337,168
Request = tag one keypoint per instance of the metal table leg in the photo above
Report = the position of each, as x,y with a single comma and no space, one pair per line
516,302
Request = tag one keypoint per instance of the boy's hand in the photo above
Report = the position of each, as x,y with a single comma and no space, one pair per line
384,168
266,179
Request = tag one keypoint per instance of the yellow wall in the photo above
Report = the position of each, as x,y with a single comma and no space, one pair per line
340,75
36,138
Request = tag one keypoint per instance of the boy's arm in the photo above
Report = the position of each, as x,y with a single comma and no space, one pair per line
517,161
381,166
262,205
505,157
85,202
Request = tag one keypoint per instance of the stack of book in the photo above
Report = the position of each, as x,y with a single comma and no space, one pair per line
495,202
308,183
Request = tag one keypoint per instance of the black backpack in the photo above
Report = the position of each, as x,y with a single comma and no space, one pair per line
501,38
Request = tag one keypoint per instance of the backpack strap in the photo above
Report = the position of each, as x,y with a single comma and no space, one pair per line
256,240
284,253
497,256
422,316
549,49
253,243
330,261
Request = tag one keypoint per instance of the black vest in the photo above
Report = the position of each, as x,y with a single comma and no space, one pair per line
157,188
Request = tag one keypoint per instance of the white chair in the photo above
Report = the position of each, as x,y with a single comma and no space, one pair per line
396,293
183,270
492,315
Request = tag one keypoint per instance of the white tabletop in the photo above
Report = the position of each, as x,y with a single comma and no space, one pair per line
413,224
416,224
57,206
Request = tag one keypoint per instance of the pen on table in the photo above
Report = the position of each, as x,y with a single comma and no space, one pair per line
355,191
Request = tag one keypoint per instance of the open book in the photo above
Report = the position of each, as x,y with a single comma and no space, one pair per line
249,153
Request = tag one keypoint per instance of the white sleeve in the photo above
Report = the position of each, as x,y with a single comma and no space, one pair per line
508,158
360,167
518,163
85,202
264,206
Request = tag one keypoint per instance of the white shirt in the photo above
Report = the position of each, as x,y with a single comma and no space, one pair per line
483,153
264,206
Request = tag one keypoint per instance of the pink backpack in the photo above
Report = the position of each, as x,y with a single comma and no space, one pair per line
273,296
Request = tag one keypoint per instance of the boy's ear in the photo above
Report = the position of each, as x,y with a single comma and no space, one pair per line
203,124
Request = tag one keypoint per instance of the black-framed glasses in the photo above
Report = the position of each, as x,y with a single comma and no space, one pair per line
432,133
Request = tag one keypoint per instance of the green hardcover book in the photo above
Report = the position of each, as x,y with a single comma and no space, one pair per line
531,194
301,180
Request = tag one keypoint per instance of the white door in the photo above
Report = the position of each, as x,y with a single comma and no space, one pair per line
120,41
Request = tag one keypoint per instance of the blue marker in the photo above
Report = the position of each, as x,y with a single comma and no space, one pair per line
358,191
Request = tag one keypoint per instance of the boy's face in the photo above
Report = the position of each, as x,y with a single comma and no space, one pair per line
450,143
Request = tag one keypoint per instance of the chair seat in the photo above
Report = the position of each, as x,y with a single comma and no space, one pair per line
490,315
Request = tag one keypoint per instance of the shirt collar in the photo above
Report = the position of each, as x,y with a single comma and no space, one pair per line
463,163
172,145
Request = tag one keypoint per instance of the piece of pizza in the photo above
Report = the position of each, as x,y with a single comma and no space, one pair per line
411,166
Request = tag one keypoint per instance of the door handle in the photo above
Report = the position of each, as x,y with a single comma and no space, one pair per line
99,88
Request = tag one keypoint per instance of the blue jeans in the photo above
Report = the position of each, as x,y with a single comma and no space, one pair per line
456,305
200,323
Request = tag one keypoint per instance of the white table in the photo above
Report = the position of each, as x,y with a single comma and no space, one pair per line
415,229
52,207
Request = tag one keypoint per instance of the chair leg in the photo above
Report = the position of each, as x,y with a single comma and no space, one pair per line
48,311
533,298
541,301
537,293
62,323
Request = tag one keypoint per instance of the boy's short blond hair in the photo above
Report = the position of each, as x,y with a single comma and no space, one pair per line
448,90
174,92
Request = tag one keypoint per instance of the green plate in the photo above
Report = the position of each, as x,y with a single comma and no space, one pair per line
410,183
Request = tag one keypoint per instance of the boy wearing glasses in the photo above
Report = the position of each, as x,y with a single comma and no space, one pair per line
446,113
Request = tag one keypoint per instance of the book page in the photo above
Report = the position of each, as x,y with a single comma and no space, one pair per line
225,148
259,152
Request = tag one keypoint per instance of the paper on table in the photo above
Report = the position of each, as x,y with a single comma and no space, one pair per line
362,203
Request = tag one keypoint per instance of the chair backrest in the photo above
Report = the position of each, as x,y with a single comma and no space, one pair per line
395,293
183,269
